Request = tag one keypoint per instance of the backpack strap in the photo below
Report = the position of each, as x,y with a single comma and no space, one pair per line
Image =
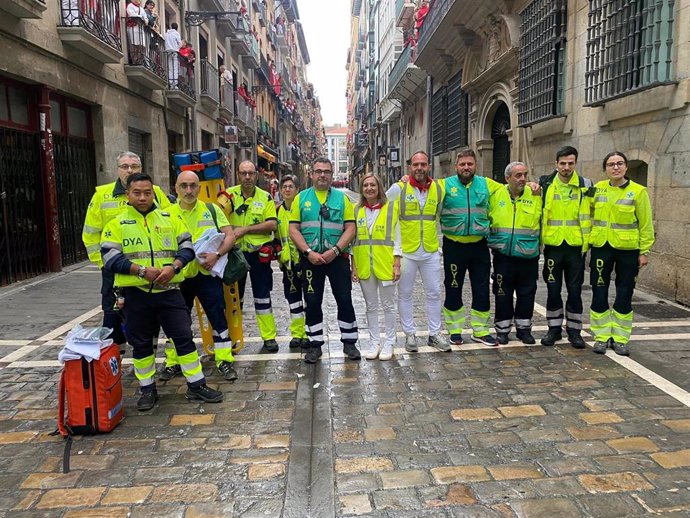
62,429
211,207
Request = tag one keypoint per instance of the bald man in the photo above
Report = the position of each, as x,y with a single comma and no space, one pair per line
254,221
199,283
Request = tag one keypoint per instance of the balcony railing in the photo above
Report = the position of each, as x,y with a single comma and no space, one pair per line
244,112
253,57
100,18
144,46
437,13
399,68
180,73
209,81
404,13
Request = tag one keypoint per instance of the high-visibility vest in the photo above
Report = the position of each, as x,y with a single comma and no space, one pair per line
252,214
289,253
566,220
465,210
107,202
515,223
198,220
319,233
373,251
150,240
622,217
419,227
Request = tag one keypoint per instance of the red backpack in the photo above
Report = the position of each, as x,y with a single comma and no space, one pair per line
93,394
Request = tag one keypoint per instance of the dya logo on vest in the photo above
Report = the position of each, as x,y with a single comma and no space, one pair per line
132,241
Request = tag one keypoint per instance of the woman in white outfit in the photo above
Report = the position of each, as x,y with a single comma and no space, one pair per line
376,262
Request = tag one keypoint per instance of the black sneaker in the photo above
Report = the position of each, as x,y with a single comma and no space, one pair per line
456,339
204,393
305,344
169,373
621,349
351,351
313,354
295,343
502,338
525,336
271,346
485,339
147,400
554,334
228,371
575,339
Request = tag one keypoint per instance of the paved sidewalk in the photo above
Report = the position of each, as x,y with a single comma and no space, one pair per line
503,432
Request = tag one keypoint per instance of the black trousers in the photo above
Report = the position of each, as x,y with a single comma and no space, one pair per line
209,290
313,284
514,275
292,287
111,316
261,275
564,262
604,260
458,259
144,311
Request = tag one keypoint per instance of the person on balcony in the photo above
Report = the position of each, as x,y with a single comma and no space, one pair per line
225,82
136,21
173,42
152,15
187,52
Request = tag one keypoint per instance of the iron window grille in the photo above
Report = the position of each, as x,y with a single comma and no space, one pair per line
449,117
542,61
629,47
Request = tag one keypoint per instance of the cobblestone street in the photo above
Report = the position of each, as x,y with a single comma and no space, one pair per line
514,431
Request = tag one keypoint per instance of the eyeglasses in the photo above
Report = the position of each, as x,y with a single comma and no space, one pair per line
319,172
613,165
241,209
191,186
133,167
246,173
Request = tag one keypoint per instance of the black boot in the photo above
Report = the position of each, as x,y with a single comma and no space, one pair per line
575,338
552,336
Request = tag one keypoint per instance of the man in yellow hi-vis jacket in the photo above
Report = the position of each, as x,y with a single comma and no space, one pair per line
146,249
108,201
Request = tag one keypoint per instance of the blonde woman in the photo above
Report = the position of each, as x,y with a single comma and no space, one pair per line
376,262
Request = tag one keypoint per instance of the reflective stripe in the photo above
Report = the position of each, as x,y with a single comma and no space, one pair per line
554,322
296,305
92,249
205,223
166,254
370,242
567,222
262,301
518,231
599,223
268,311
523,323
624,201
91,230
184,236
504,325
315,328
602,199
624,226
554,313
111,244
226,344
419,217
110,205
326,225
145,382
349,336
297,316
347,325
460,210
110,254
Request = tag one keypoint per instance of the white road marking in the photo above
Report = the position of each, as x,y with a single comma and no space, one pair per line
15,342
69,325
19,353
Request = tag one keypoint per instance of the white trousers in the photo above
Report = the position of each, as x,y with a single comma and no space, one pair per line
432,280
373,291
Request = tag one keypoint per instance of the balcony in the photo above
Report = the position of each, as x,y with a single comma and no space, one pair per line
210,85
229,24
227,101
145,57
24,8
261,13
244,113
240,39
265,69
404,11
92,28
406,81
180,76
281,40
250,55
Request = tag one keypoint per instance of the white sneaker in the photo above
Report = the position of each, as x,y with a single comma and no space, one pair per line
411,343
386,353
435,341
372,352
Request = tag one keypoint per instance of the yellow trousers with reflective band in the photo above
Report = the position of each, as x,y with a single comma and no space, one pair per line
455,321
222,346
145,368
611,324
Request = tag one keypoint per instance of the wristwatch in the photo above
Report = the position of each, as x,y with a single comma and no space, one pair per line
307,252
141,272
176,268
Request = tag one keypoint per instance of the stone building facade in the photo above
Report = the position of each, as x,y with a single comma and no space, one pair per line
518,80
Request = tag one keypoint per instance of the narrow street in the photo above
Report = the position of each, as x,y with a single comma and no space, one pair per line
516,431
